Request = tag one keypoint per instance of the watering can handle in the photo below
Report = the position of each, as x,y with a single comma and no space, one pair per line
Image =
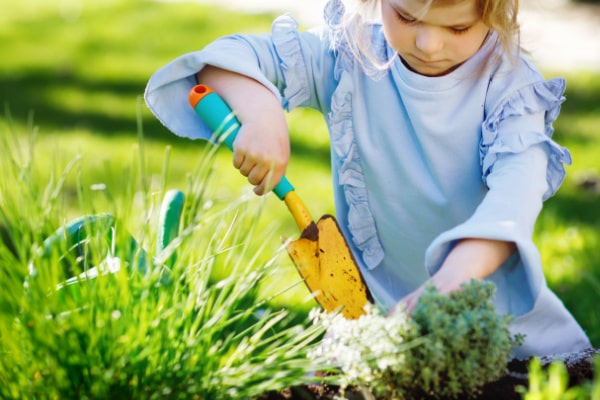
222,121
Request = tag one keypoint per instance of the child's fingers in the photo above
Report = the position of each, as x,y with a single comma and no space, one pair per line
409,302
257,175
238,159
247,165
268,181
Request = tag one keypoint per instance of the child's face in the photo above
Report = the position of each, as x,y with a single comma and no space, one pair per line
437,42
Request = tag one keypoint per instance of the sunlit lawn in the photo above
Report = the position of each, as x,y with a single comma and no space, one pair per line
78,75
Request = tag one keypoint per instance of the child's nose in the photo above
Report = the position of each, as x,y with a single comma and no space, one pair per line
428,40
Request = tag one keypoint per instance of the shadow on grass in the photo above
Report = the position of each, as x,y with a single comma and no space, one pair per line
583,307
575,208
582,101
580,288
32,93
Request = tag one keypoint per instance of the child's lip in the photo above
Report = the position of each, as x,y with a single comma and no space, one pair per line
428,62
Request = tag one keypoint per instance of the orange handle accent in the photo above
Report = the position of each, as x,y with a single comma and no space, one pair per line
198,93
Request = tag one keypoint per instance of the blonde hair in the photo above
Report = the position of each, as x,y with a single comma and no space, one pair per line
499,15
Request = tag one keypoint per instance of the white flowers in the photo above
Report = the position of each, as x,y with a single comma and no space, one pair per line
364,348
449,346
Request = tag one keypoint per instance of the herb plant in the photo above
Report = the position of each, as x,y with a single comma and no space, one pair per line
448,348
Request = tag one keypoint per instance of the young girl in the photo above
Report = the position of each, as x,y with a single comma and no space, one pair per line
440,143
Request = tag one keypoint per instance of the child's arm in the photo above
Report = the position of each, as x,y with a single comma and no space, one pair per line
470,259
261,149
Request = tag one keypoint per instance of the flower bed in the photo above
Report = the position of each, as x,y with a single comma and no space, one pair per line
579,367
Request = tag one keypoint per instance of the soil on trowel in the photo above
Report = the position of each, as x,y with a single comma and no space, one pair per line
579,366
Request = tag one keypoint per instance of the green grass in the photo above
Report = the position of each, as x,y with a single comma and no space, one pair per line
568,231
79,75
81,80
180,321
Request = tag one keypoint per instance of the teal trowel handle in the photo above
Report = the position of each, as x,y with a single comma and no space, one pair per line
222,121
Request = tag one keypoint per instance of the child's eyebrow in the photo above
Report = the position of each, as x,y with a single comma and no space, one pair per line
403,12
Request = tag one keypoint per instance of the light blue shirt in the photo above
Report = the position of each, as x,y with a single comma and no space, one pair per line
418,162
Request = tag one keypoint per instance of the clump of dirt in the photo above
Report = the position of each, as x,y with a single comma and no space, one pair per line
313,392
579,365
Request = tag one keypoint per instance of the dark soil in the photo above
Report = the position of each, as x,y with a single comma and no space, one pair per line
579,366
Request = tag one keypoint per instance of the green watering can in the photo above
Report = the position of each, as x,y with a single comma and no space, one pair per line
70,240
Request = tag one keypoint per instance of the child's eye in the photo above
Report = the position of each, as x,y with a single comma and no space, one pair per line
405,19
459,31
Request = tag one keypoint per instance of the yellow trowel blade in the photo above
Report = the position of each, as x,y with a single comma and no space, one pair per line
321,254
324,260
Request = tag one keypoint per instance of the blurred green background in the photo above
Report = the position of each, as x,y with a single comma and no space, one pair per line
73,73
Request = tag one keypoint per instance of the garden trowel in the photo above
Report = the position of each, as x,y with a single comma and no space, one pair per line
321,254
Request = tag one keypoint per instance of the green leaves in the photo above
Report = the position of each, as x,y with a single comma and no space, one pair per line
552,383
120,331
447,349
466,343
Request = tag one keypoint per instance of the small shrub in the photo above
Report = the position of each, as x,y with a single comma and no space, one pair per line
447,349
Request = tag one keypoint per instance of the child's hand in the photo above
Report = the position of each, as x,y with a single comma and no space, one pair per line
261,150
470,259
443,281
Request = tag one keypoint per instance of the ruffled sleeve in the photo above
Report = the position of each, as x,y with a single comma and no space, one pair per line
350,175
540,97
287,44
280,61
522,166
